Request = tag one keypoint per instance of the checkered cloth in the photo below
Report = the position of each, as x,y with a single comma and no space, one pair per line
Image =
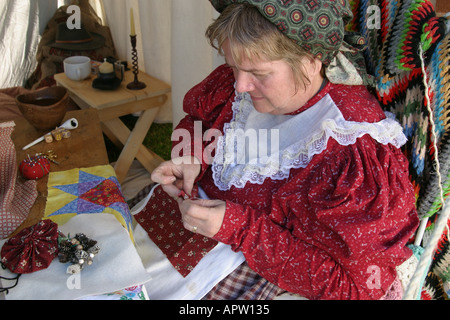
244,284
16,195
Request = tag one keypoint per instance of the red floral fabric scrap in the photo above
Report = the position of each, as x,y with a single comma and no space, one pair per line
106,193
161,219
32,249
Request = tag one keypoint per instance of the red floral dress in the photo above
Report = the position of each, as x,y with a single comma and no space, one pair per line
332,226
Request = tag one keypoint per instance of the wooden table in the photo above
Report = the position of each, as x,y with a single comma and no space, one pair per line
73,152
116,103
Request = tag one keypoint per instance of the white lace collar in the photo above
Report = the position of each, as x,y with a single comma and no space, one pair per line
257,146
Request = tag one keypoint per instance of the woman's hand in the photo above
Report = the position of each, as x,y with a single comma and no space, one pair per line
202,216
177,175
199,215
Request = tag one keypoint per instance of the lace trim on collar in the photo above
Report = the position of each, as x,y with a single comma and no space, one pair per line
300,137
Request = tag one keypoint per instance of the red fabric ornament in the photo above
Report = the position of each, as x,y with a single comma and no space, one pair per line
34,168
33,249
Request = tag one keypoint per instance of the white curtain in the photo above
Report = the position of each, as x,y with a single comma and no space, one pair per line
22,23
171,43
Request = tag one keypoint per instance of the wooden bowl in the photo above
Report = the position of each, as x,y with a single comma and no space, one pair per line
44,109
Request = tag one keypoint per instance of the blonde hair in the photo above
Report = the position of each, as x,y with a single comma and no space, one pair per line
254,37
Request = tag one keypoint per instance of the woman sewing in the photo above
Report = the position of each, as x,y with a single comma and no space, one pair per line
329,213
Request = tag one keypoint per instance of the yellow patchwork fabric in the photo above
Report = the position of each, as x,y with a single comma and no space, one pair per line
86,191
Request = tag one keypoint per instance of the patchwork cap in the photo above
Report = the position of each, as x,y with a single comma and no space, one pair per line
318,26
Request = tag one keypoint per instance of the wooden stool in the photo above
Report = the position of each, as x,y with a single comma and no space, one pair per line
116,103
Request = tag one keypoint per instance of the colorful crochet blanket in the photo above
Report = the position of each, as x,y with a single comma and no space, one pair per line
403,39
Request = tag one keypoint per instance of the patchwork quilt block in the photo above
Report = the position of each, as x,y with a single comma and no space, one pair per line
86,191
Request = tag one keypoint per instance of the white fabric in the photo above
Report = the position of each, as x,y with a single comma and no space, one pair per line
115,267
19,34
405,271
167,283
300,137
341,70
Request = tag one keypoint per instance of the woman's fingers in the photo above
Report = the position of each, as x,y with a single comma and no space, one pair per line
176,175
163,174
203,216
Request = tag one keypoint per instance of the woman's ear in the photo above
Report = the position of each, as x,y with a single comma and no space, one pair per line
314,67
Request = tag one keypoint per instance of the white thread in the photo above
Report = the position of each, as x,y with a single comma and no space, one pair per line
412,291
424,221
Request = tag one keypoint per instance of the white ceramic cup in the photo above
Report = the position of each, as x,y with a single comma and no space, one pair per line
77,68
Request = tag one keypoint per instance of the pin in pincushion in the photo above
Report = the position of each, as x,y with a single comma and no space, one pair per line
34,168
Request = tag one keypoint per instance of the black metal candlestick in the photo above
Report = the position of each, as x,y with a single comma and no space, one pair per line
136,84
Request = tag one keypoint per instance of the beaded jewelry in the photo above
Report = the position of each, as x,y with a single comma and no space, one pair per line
79,251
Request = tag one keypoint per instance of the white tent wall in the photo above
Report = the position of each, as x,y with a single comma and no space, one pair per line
171,41
22,23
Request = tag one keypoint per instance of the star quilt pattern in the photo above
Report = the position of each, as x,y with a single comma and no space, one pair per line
86,191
